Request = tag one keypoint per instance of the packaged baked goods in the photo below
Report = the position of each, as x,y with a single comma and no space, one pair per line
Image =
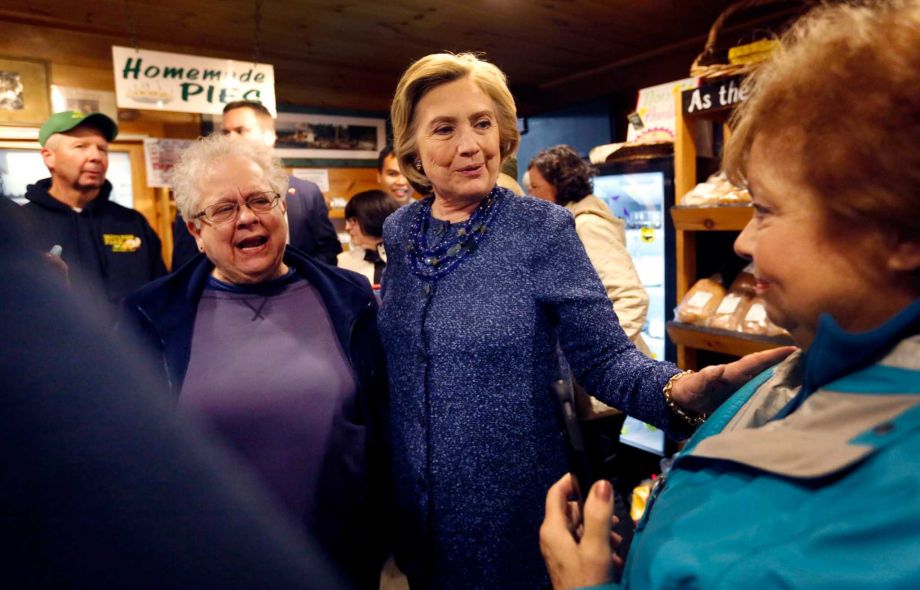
755,320
725,316
700,195
701,301
717,190
745,283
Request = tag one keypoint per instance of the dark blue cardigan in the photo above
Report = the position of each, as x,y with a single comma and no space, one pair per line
354,490
475,434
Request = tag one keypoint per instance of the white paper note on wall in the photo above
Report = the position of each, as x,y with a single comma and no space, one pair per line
318,176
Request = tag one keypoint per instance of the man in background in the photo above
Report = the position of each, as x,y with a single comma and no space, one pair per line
110,250
311,231
391,177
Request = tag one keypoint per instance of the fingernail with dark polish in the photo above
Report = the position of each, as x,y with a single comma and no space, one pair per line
604,490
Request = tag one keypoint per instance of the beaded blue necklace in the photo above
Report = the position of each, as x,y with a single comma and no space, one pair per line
432,263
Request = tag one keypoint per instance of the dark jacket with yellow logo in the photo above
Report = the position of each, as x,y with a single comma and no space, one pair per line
110,250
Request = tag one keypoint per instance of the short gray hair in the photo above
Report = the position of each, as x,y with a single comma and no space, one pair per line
198,158
52,142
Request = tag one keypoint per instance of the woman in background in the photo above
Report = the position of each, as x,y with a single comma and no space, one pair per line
808,477
559,175
364,216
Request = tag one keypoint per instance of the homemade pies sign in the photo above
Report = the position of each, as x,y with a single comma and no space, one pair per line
188,83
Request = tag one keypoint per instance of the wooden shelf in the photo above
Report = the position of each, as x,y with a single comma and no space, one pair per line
719,115
722,218
734,343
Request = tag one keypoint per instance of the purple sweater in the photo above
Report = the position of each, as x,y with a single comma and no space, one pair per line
268,373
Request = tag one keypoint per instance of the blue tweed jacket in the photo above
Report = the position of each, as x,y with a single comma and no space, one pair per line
476,440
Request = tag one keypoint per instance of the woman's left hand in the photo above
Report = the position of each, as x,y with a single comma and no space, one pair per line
579,553
705,391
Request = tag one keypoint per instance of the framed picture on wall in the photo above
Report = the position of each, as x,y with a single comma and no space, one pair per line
323,136
24,91
345,139
66,98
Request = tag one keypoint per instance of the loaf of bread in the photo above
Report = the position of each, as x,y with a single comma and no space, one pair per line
744,283
755,320
725,316
717,190
701,301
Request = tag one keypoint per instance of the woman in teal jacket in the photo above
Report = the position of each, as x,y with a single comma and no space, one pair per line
808,476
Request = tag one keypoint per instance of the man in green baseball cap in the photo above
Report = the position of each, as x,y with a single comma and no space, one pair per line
67,120
110,250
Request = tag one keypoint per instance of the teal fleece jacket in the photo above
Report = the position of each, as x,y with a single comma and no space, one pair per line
808,477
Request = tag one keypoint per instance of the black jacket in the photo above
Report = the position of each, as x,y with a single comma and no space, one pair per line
110,250
352,502
308,220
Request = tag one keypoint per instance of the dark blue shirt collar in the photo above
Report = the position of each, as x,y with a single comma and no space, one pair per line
836,352
267,288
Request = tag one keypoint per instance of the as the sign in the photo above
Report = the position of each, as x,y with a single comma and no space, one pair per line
712,97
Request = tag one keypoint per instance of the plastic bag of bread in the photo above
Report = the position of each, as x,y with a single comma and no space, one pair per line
700,301
736,196
745,283
725,317
717,190
755,320
700,195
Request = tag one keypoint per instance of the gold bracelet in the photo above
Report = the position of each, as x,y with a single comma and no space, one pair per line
692,418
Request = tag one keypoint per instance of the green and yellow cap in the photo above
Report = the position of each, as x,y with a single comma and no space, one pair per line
67,120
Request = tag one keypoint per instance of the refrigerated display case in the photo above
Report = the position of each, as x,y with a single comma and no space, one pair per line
641,192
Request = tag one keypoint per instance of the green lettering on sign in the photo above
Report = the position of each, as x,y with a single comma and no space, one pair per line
131,68
171,72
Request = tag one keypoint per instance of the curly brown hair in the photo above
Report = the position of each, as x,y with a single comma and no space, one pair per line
842,94
568,172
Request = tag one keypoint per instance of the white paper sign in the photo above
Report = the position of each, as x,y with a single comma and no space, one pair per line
318,176
188,83
656,107
160,156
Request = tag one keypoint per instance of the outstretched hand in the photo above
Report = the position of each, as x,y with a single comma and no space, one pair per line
579,554
705,391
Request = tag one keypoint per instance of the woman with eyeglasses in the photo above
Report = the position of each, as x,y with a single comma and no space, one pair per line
277,353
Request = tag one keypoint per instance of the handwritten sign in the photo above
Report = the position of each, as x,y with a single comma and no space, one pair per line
187,83
161,155
713,97
655,106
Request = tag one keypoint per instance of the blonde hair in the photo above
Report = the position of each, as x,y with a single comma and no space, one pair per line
200,156
844,91
430,72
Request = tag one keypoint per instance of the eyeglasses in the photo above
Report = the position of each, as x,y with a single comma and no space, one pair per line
220,213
